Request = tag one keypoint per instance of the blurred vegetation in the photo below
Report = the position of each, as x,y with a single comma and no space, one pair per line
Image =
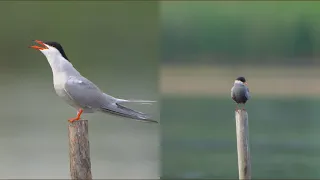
267,32
111,36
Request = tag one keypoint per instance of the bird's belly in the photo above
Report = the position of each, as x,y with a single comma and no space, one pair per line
59,81
63,94
240,98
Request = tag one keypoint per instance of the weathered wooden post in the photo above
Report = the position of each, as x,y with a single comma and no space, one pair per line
244,162
79,150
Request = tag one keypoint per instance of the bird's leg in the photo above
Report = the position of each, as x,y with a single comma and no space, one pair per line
78,116
244,105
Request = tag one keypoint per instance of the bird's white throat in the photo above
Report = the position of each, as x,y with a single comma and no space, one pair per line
61,69
238,82
59,65
56,62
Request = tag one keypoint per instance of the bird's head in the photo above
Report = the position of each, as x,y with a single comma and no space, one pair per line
241,80
50,49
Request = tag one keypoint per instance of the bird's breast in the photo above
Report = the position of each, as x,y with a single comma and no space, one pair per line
239,94
59,80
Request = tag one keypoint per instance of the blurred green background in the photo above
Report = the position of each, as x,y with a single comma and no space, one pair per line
115,45
206,45
227,32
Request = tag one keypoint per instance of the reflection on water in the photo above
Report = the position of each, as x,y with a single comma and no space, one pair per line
34,144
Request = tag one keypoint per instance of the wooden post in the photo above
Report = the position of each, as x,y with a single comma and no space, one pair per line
79,152
244,163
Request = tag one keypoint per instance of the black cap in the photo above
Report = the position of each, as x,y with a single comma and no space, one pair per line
242,79
59,47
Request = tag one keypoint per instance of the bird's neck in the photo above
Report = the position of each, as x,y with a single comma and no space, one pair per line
60,65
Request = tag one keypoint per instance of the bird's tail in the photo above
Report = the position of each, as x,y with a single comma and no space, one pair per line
118,100
135,101
120,110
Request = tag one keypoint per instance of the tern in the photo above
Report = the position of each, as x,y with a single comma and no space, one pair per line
240,92
81,93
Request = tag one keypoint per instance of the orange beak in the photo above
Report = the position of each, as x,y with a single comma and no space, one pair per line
38,47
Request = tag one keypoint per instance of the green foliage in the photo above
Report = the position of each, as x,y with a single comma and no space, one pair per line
106,35
236,32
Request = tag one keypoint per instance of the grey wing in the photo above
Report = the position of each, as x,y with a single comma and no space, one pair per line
84,93
247,93
232,92
120,110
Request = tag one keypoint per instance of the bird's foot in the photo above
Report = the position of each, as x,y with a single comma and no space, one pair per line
71,120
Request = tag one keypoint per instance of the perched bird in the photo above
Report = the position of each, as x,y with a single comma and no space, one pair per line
240,92
80,92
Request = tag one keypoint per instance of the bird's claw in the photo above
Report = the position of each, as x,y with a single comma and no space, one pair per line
72,120
76,118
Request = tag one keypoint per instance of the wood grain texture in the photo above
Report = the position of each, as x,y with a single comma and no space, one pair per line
79,150
244,160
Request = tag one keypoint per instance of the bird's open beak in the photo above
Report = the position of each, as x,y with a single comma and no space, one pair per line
38,47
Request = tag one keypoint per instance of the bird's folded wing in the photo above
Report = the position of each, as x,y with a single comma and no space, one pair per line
120,110
247,93
232,92
83,92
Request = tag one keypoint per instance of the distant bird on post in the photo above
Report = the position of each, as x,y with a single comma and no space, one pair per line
240,92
